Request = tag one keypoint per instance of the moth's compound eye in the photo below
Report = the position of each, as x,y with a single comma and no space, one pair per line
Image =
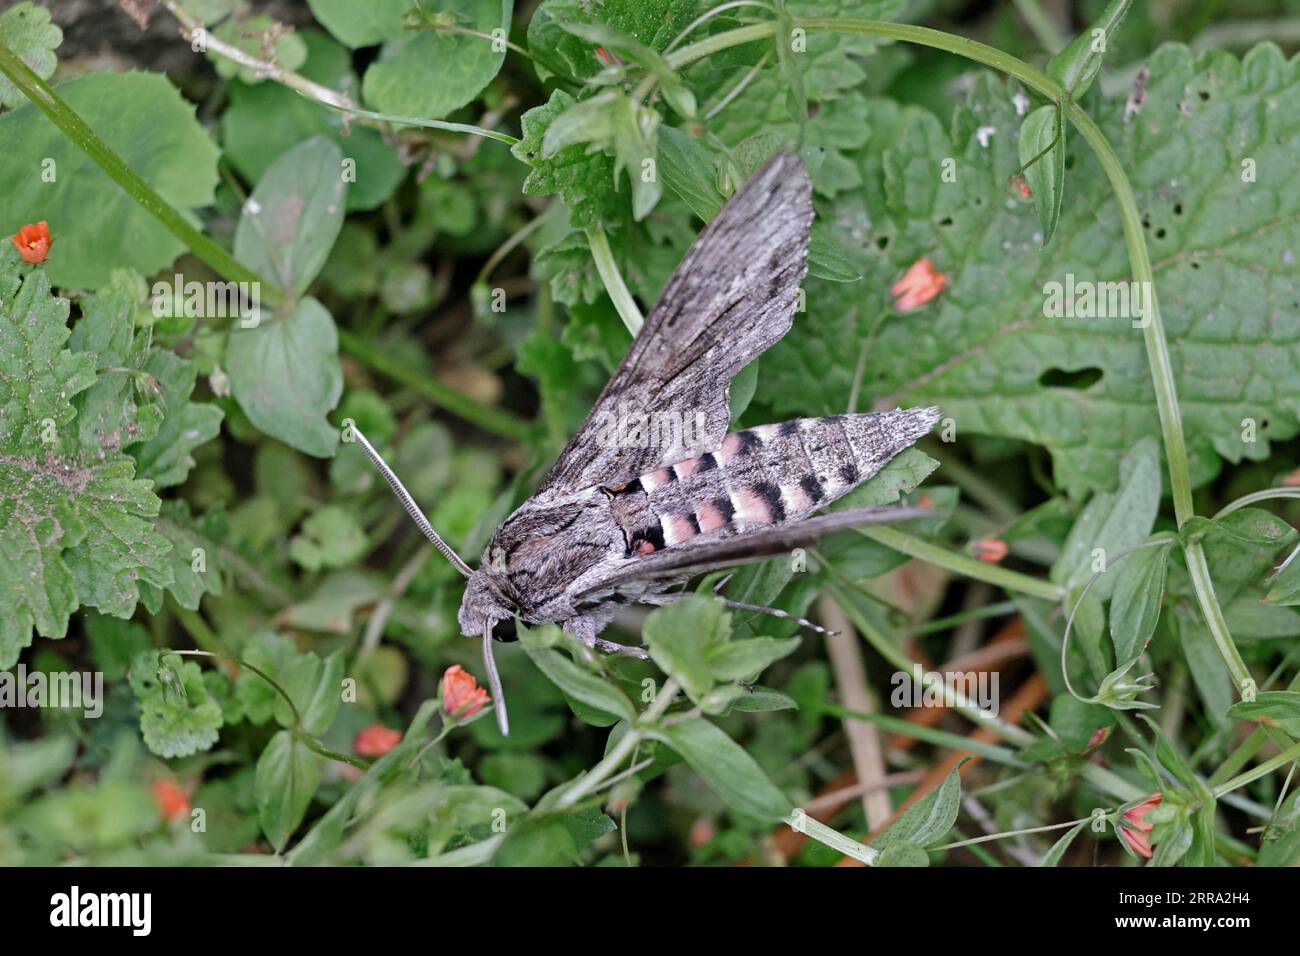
504,630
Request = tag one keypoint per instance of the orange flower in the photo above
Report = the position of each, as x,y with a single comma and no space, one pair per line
1022,187
170,798
990,550
1137,839
461,695
33,242
919,285
376,740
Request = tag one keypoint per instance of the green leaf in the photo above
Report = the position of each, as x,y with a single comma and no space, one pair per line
1078,64
316,687
985,352
165,458
26,29
1045,174
728,770
1275,707
552,33
286,376
904,853
680,637
434,72
75,524
266,120
195,557
580,684
1113,522
1053,856
251,35
331,538
95,225
584,181
114,643
1284,590
736,660
362,24
292,218
1135,606
286,779
178,716
928,820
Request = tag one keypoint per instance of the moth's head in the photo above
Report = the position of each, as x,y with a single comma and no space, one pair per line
486,605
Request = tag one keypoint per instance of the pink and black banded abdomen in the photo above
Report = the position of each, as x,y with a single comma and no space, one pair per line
763,476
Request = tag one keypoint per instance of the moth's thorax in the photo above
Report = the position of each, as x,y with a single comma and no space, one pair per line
537,555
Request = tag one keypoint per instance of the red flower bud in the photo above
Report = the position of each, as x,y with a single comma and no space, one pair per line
919,284
461,695
376,740
33,242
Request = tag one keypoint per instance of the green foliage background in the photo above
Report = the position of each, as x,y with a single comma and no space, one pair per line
173,482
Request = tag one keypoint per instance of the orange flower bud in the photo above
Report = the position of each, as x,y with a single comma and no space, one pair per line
461,695
919,285
1138,840
171,800
990,550
376,740
33,242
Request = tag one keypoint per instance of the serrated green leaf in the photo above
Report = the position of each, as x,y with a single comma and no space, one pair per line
178,716
75,525
195,556
26,29
96,226
728,770
986,352
286,376
165,458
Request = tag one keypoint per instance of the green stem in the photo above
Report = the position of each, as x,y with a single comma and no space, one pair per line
961,564
87,140
488,417
1256,496
1153,333
1292,753
614,284
417,121
1040,25
1008,833
636,733
314,745
293,708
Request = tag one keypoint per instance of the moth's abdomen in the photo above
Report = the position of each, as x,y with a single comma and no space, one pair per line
769,475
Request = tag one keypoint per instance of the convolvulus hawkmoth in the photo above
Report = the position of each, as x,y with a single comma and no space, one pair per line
621,519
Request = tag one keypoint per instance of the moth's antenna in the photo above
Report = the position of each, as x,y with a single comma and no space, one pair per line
409,504
494,682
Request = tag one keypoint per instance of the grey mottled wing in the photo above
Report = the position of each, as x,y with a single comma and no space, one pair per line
731,298
745,548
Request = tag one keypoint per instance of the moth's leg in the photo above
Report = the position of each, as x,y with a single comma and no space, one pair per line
609,647
585,629
777,612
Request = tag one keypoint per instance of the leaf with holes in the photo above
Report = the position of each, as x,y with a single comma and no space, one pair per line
1223,225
